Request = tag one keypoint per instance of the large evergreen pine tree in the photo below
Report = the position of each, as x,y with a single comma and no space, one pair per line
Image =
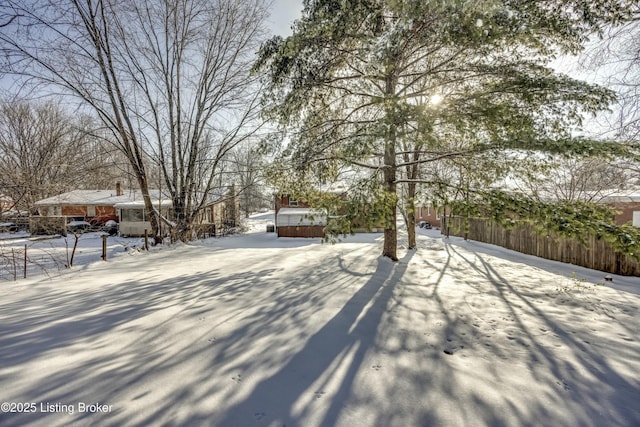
373,86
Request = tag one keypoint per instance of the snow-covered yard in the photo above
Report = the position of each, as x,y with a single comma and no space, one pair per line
49,255
253,330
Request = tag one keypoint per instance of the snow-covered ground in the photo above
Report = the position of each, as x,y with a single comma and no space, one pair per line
49,255
252,330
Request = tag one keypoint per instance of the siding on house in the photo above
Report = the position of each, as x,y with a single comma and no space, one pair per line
133,217
300,222
627,203
286,201
283,202
220,212
85,203
308,231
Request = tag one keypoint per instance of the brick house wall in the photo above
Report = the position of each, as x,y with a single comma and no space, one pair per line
429,214
627,210
285,201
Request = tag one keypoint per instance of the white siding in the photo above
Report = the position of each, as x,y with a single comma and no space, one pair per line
291,217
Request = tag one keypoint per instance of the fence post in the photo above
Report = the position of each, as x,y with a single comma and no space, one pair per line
25,261
15,272
146,240
104,247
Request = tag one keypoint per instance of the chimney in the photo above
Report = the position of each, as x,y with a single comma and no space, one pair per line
118,189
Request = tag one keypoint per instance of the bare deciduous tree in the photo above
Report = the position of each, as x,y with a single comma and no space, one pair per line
169,79
246,166
588,180
45,151
193,61
616,57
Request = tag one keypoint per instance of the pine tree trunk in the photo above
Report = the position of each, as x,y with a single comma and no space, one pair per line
390,248
411,215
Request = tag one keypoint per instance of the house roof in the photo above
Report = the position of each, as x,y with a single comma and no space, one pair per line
300,216
94,197
139,204
622,197
129,199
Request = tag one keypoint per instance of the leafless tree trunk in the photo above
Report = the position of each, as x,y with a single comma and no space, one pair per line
202,98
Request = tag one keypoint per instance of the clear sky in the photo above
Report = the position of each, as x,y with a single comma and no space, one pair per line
283,13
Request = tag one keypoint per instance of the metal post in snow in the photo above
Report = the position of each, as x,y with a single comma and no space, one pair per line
25,261
104,247
146,240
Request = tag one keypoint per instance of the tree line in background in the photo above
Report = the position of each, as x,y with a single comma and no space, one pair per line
47,151
402,102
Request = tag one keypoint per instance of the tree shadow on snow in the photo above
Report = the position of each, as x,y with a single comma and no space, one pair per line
571,365
341,344
249,348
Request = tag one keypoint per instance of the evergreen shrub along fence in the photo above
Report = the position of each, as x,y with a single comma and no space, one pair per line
595,254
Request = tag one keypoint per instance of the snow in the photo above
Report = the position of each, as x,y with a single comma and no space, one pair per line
48,256
300,216
252,330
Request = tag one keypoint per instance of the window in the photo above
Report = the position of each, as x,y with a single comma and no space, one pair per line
133,215
293,202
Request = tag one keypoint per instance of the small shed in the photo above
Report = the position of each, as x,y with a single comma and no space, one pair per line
300,222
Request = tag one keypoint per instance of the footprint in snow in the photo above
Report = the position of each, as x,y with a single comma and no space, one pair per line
237,379
376,367
259,415
319,394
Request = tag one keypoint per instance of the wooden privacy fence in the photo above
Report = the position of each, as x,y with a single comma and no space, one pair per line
595,254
